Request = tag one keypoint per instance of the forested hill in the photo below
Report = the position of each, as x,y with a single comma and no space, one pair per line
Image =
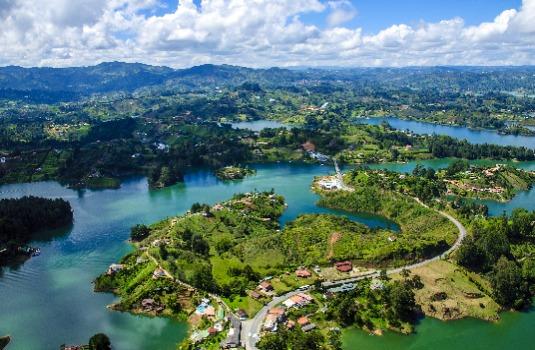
50,85
22,217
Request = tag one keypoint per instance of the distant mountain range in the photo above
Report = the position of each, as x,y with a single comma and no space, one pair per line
67,84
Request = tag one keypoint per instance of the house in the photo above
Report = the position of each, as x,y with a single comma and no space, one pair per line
265,287
290,324
302,273
147,303
212,331
270,323
344,266
159,272
303,321
255,295
151,305
114,268
218,207
277,311
298,300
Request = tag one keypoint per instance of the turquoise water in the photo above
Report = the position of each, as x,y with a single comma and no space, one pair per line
258,125
472,135
513,332
49,300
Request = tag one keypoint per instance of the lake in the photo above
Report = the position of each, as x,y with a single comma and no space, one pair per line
472,135
49,300
258,125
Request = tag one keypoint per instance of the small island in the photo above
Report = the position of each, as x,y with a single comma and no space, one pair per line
22,218
4,341
233,173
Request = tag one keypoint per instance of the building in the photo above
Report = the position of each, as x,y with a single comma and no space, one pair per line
114,268
277,311
303,321
344,266
298,300
303,273
342,288
270,323
159,272
265,287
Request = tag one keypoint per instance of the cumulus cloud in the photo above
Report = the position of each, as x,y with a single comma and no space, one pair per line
342,11
248,32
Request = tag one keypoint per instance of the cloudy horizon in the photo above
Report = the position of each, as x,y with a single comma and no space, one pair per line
265,33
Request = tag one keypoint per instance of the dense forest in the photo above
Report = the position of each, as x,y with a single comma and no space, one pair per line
21,218
501,248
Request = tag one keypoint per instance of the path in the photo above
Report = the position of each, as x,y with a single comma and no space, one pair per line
340,177
252,328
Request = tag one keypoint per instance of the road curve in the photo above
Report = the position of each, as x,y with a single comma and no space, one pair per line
254,326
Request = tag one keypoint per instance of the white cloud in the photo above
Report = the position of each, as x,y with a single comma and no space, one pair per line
342,11
248,32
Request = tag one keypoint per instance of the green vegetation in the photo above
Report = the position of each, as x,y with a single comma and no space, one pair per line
21,218
296,339
500,182
233,173
424,232
377,305
99,341
4,341
451,292
501,248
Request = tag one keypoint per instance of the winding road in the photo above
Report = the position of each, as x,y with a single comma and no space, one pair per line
252,328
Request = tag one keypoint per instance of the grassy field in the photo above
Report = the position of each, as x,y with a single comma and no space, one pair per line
451,292
424,232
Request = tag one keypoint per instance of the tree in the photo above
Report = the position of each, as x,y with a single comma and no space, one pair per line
139,232
402,301
203,279
199,245
99,341
510,288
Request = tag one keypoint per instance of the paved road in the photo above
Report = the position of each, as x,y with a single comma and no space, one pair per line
253,327
340,177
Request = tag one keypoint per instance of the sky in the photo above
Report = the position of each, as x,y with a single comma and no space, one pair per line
267,33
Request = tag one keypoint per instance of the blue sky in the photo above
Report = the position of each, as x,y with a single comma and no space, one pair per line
374,15
264,33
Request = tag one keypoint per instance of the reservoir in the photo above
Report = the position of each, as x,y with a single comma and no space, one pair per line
49,300
478,136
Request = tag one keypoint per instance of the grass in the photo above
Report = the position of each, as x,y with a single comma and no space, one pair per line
466,293
246,303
